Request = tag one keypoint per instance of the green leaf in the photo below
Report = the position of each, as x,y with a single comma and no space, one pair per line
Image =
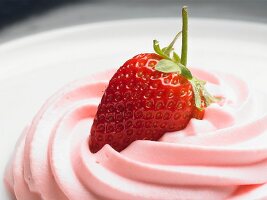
167,66
197,94
176,57
209,99
185,71
158,50
167,50
164,49
200,91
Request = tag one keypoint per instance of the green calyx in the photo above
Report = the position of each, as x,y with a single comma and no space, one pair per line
173,63
201,92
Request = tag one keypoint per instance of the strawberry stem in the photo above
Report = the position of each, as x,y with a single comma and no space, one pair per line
171,64
184,35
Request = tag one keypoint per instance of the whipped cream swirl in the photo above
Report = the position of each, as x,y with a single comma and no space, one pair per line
223,156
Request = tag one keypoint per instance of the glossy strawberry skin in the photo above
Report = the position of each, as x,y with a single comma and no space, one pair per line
141,103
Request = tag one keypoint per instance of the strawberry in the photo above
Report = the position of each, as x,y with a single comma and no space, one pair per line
149,95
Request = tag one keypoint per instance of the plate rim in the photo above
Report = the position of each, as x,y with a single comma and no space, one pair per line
13,43
37,37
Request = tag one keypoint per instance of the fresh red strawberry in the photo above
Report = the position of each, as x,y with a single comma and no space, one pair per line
149,95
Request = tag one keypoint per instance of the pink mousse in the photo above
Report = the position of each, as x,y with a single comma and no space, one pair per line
223,156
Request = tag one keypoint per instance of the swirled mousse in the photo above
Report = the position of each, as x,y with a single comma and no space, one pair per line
156,133
223,156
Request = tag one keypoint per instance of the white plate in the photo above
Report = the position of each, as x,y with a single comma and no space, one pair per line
33,68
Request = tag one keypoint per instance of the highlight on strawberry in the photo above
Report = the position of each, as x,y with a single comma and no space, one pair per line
149,95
